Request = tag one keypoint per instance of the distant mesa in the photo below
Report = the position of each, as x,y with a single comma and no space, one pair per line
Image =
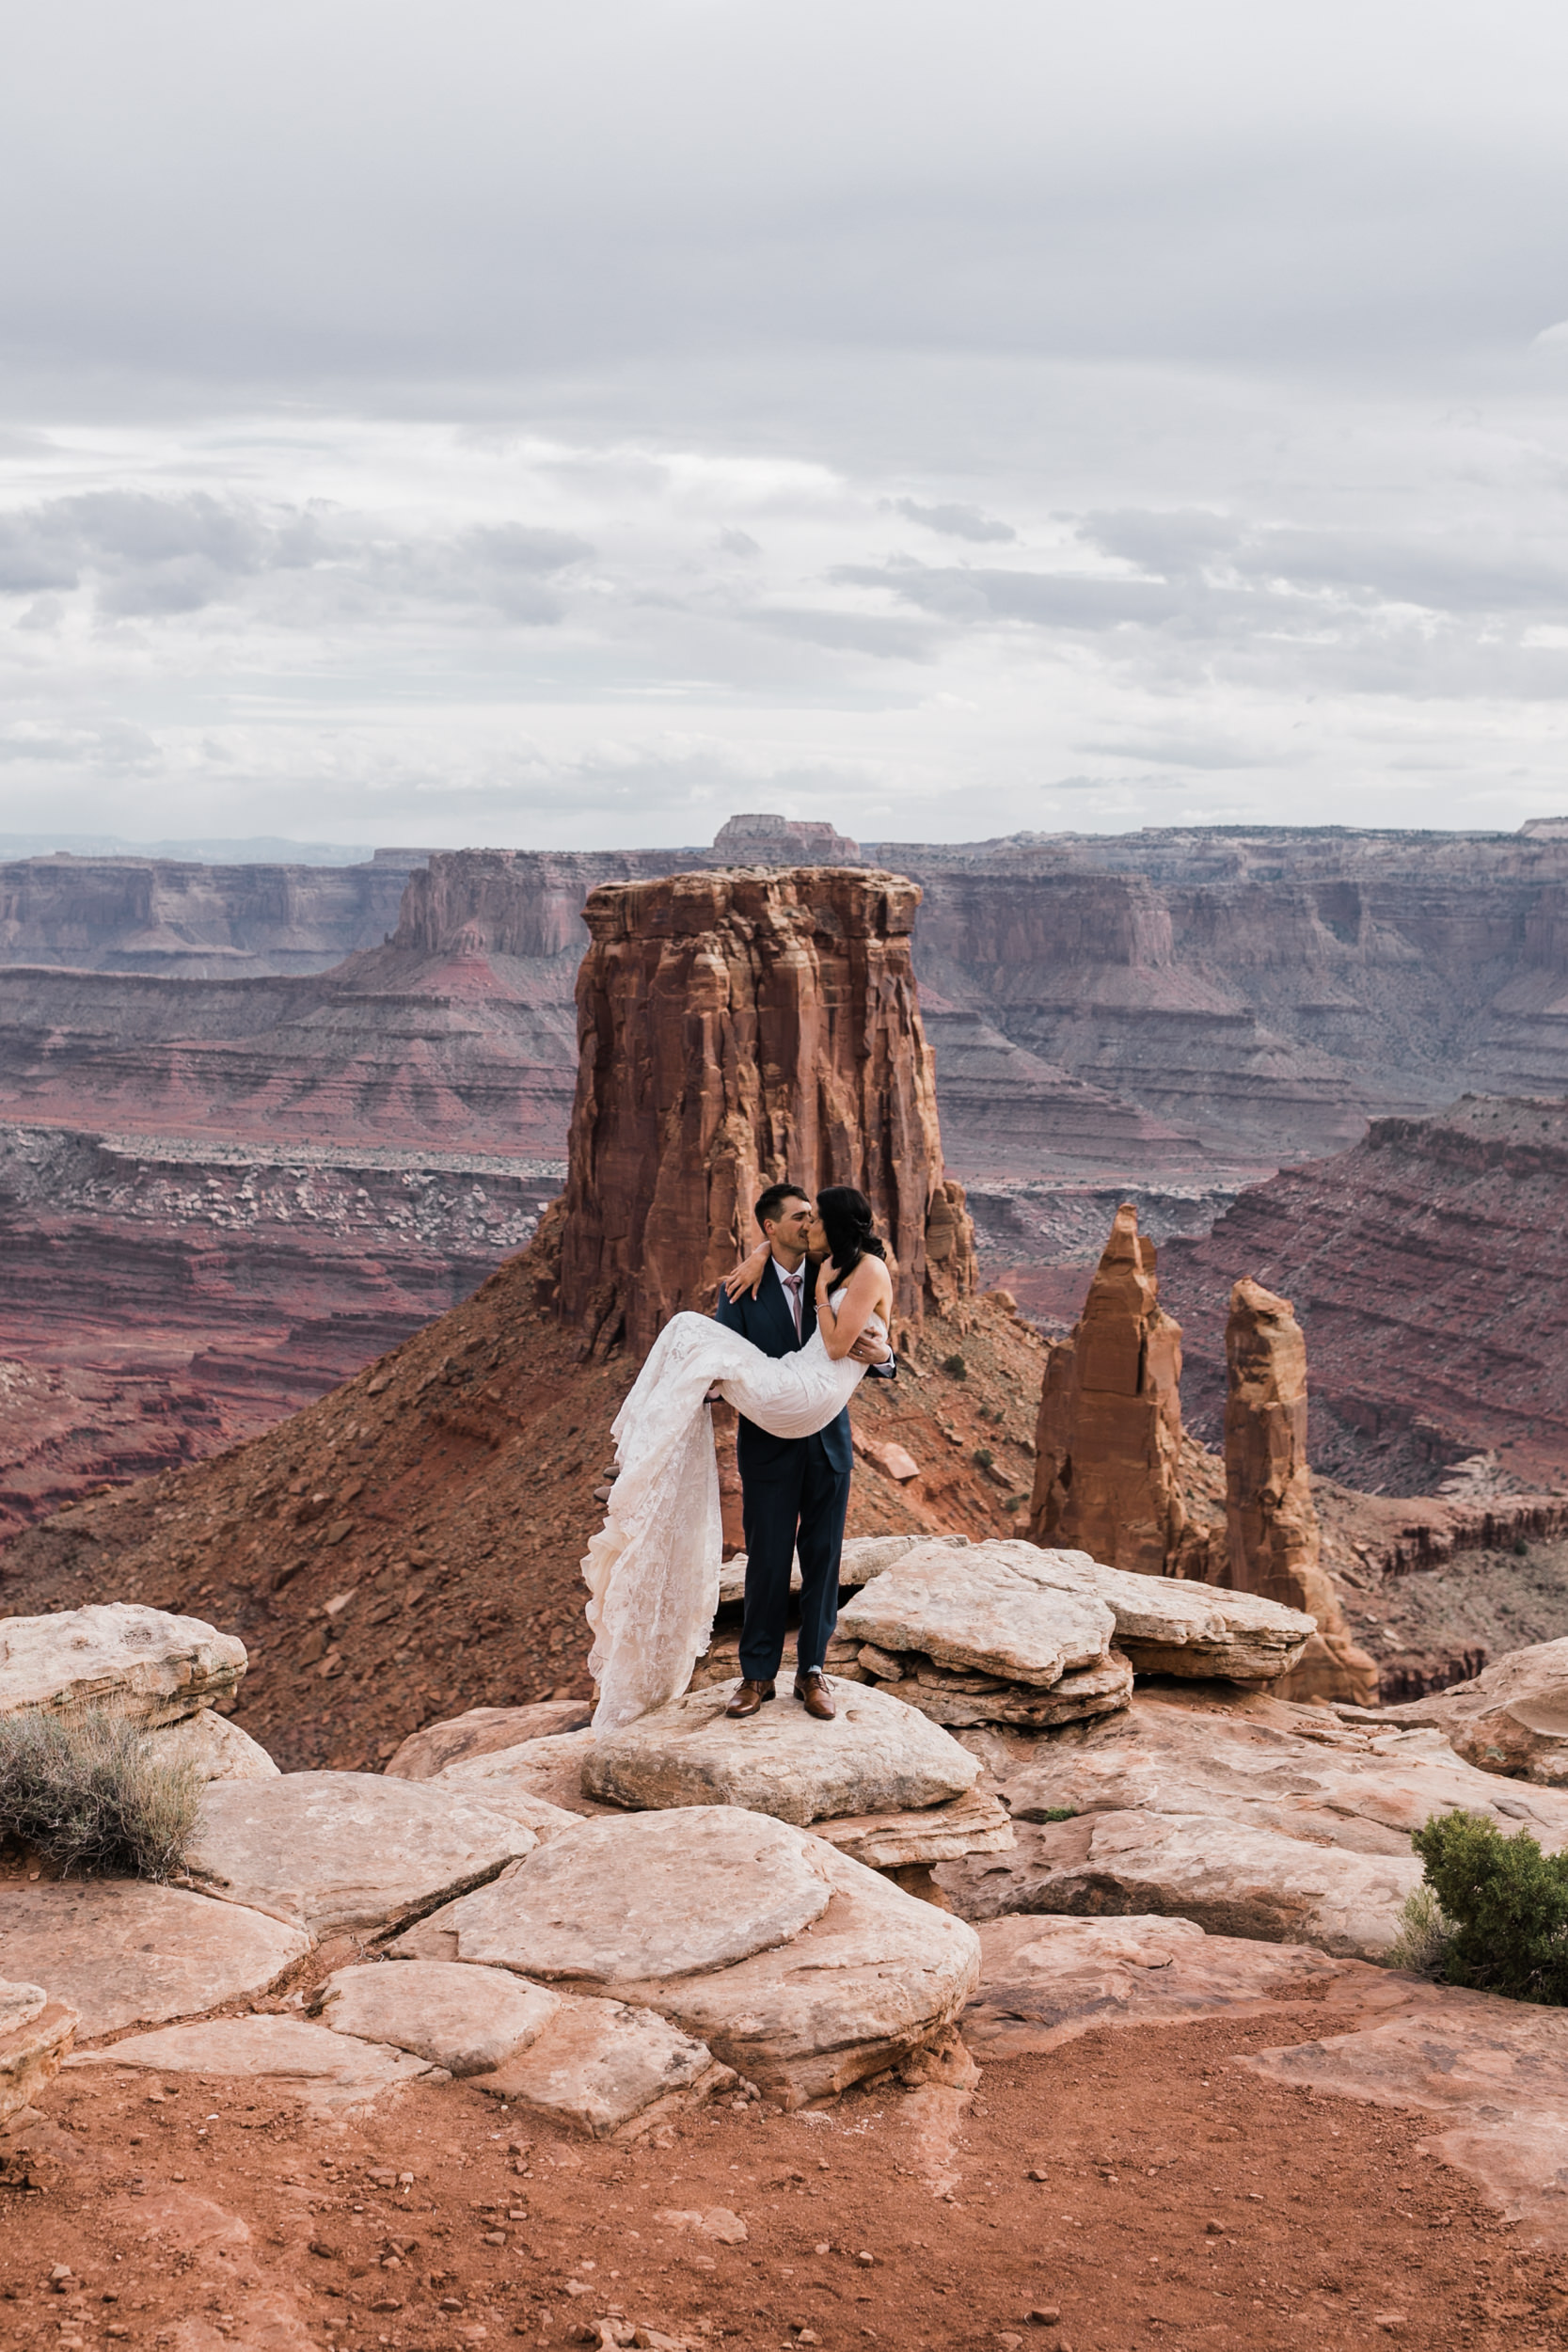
783,841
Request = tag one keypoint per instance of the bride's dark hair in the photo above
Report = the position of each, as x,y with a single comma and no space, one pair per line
846,1216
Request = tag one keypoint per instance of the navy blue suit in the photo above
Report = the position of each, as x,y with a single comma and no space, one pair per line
795,1493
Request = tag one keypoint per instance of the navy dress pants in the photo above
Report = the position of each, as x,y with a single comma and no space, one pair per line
800,1502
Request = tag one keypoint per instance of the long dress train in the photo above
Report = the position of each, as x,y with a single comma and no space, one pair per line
652,1572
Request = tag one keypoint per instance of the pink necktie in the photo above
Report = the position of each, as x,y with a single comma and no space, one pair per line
792,1284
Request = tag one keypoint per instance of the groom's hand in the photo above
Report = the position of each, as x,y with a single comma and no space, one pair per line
870,1348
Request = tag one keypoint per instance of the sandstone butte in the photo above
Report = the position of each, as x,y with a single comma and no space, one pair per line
1112,1474
734,1029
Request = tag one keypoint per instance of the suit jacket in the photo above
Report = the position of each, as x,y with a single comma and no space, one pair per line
768,1323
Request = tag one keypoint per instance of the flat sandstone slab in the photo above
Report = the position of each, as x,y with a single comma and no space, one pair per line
1045,1981
467,2020
126,1953
32,2048
607,2070
326,2070
877,1756
974,1823
1228,1877
481,1731
327,1851
987,1609
152,1666
637,1895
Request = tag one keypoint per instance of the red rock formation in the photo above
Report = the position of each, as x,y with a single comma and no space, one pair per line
1107,1471
1272,1539
1428,1273
735,1028
782,841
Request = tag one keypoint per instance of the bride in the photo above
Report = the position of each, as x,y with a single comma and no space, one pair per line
652,1571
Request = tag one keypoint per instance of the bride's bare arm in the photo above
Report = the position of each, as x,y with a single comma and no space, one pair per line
868,1292
749,1273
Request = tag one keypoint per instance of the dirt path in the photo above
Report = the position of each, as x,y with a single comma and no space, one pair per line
1184,2203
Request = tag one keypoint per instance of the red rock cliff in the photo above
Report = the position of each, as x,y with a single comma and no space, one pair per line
734,1029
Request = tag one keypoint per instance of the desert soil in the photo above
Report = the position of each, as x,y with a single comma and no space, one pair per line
1183,2203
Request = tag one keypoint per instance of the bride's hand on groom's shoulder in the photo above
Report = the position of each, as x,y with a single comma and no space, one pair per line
749,1273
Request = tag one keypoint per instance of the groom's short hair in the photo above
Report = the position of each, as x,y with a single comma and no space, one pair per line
773,1200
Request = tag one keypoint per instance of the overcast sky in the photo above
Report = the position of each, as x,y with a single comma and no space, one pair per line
566,424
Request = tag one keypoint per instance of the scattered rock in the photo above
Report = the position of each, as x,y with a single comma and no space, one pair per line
647,1895
480,1731
608,2070
893,1461
877,1756
154,1667
347,1849
326,2070
467,2020
126,1953
714,2221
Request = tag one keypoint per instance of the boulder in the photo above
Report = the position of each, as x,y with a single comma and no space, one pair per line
974,1823
153,1667
467,2020
647,1895
480,1732
1044,1980
327,1851
796,1965
1003,1609
878,1977
607,2070
1169,1627
1511,1720
539,1781
123,1952
34,2034
218,1748
877,1756
328,2070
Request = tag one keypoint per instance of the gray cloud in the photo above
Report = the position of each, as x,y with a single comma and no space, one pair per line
953,520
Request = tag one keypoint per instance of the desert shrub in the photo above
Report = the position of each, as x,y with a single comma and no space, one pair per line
982,1457
1508,1902
1424,1937
90,1792
956,1365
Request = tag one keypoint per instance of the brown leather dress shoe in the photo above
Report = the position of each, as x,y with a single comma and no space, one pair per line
749,1699
816,1694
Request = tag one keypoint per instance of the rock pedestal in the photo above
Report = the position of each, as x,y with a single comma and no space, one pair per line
735,1027
1272,1541
1109,1435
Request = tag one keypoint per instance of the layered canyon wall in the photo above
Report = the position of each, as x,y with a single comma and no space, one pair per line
735,1028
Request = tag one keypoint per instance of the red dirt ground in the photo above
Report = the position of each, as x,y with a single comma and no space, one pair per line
1185,2204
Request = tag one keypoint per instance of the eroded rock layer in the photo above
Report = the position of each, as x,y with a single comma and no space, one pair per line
735,1029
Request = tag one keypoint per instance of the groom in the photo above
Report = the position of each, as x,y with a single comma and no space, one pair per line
795,1491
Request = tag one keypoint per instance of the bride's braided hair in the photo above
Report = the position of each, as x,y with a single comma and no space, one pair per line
846,1216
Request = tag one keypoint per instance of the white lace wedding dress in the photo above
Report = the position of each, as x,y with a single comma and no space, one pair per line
652,1572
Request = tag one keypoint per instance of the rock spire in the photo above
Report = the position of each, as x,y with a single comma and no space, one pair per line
1271,1523
1107,1473
735,1027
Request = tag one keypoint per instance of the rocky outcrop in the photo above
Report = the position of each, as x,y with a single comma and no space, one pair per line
1426,1271
153,1668
1109,1437
1272,1538
734,1029
1510,1719
782,841
123,1953
34,2034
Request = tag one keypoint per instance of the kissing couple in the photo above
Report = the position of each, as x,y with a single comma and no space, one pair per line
797,1326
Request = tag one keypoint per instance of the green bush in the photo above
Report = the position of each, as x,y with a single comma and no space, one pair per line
982,1457
1508,1902
956,1365
91,1793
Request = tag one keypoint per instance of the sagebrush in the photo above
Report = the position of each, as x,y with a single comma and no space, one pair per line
1425,1934
91,1792
1505,1904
